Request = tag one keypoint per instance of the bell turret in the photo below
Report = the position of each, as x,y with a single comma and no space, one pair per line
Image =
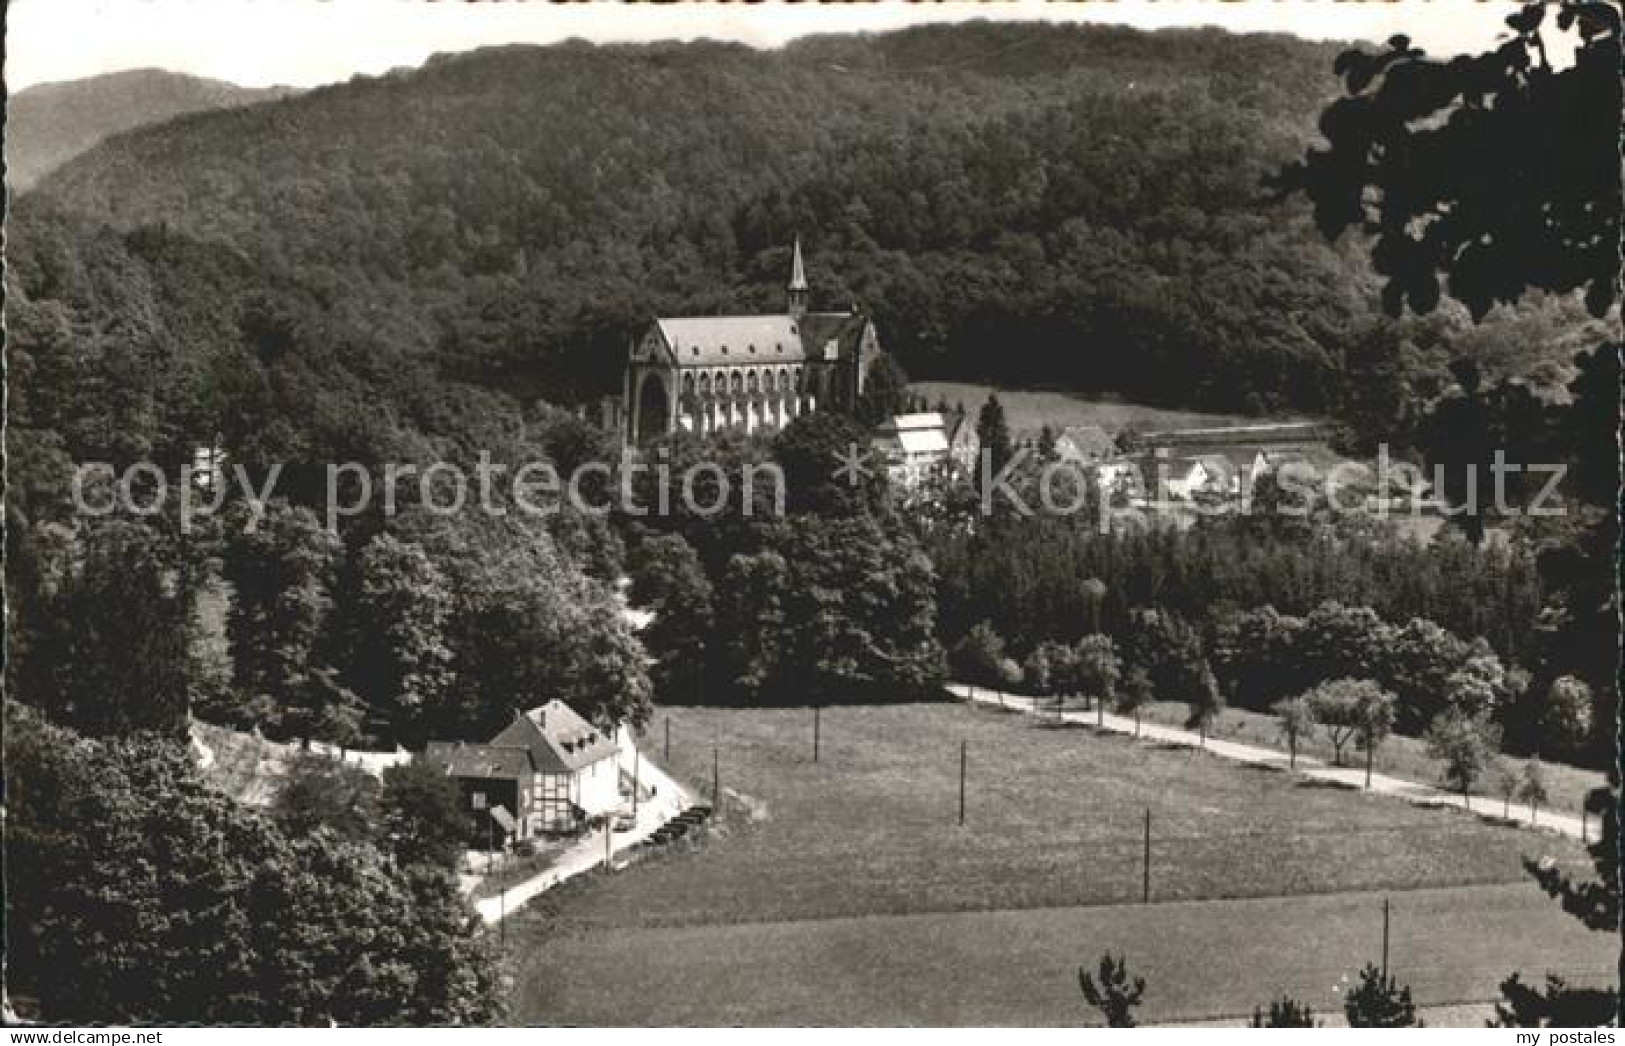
796,289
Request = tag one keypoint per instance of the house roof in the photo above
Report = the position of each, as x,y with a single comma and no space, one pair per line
556,738
709,341
1088,440
922,441
925,420
462,759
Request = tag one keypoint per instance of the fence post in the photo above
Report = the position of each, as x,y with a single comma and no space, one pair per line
1145,885
964,749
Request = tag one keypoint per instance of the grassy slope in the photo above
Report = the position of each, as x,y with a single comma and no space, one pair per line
1054,823
1202,960
1399,756
1030,410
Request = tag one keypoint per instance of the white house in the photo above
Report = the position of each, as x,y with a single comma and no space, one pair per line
912,445
549,770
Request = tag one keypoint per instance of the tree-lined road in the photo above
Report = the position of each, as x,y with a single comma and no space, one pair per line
1308,766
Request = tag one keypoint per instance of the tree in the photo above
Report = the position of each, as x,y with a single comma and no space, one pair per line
831,609
1135,694
421,815
1166,646
1205,701
1035,672
1449,145
1296,717
1379,1002
1565,721
1532,787
978,654
400,662
1342,642
105,636
283,572
1482,686
1112,991
810,450
1376,719
1351,710
993,435
137,894
751,617
1506,786
885,391
1467,746
1285,1012
1419,659
317,791
669,581
1559,1006
1098,669
1255,656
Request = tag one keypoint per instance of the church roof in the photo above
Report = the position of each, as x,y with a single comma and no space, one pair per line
709,341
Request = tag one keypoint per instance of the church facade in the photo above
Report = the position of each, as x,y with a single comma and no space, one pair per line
707,373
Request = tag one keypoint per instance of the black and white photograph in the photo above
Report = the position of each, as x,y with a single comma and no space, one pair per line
833,515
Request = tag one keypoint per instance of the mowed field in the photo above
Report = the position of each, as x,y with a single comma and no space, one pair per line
851,895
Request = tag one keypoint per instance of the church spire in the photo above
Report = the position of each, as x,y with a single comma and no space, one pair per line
796,290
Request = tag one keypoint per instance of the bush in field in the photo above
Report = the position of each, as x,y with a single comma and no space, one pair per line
1284,1012
1379,1001
1112,991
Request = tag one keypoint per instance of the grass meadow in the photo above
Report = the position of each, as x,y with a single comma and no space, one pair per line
1028,410
845,891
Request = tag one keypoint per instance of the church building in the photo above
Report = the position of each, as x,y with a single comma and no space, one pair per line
705,373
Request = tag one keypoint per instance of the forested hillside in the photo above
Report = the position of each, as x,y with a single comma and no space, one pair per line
49,124
1080,206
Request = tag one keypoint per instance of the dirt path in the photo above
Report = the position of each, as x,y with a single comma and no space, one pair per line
1308,766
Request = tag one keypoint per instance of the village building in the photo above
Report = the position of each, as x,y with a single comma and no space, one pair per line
964,444
707,373
912,446
1085,444
549,771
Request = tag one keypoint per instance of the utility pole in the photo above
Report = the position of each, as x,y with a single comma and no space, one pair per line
815,733
609,836
668,740
964,756
637,763
1385,937
502,917
1145,883
716,778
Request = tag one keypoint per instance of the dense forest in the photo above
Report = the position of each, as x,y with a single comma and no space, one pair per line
1082,207
434,265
